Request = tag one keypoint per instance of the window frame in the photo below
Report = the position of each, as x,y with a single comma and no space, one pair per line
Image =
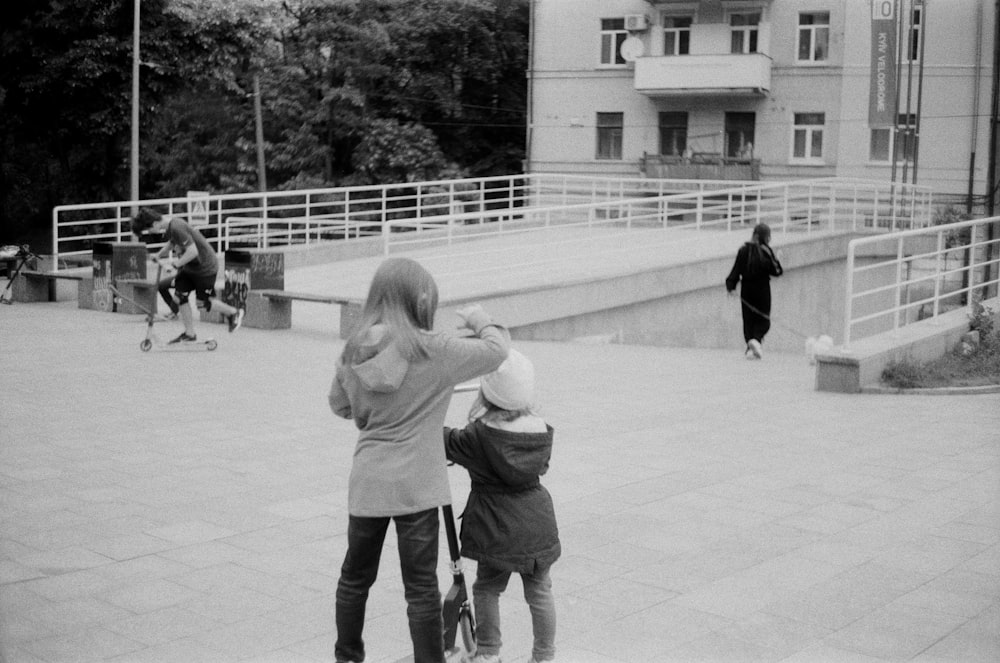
678,33
748,32
674,129
613,140
905,150
612,38
810,133
813,29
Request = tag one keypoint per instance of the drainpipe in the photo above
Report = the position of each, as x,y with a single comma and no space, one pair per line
991,172
992,183
977,73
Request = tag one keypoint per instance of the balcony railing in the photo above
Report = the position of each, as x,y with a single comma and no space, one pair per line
746,74
700,166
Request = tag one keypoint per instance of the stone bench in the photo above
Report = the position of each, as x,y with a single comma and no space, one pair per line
33,286
272,308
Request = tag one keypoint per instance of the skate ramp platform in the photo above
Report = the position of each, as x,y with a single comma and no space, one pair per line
657,286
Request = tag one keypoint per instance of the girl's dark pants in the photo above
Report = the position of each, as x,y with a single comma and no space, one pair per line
758,295
417,536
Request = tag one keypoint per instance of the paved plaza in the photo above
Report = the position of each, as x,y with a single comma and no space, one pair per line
190,507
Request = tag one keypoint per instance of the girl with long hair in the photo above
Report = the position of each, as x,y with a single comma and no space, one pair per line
395,379
754,266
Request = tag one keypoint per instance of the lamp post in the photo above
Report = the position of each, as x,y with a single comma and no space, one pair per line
135,109
326,52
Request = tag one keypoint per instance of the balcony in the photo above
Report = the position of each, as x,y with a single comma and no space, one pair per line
703,75
701,166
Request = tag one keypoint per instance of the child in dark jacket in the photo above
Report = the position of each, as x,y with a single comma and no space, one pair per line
509,523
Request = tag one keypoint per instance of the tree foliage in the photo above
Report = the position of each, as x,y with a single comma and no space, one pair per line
351,90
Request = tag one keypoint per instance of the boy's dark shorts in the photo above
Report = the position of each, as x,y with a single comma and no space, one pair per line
203,287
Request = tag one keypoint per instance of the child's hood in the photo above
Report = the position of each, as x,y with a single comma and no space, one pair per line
517,457
379,364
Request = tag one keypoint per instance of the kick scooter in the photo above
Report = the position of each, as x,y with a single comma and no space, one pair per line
152,340
457,611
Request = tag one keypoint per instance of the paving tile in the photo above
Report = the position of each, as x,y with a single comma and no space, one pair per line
177,651
71,615
976,640
89,644
161,626
192,531
147,596
696,523
14,572
895,632
256,636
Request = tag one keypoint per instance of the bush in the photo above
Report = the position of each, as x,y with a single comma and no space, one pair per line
904,374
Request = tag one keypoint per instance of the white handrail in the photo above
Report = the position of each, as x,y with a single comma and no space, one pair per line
286,217
910,248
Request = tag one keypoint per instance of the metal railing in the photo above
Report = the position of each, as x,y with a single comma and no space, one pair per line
808,206
400,214
894,280
302,217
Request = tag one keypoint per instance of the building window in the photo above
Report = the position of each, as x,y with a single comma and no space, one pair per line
613,33
743,32
913,48
677,35
807,137
673,133
903,137
739,135
814,37
609,135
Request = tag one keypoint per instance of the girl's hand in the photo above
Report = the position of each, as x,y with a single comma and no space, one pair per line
472,316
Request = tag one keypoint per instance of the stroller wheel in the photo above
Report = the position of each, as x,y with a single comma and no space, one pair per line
146,345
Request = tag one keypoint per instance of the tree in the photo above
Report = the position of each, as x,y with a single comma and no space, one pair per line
394,152
352,90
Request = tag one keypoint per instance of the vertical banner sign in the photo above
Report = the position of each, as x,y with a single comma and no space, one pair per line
882,95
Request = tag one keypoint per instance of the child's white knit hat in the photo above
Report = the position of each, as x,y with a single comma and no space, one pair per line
512,385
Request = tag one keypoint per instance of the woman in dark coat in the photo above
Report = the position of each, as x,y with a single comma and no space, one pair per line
754,266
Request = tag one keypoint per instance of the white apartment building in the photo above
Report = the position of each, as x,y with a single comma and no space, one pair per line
762,89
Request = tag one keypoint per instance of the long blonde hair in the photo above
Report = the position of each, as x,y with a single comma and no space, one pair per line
404,297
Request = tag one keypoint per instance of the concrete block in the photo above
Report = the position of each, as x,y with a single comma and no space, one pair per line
27,288
266,313
862,365
85,293
138,297
840,374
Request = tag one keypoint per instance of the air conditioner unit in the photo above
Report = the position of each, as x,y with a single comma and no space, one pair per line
636,22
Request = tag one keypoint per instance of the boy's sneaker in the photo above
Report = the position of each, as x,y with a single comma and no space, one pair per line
185,338
236,319
755,348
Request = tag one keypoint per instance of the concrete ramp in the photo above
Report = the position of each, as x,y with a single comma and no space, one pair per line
662,286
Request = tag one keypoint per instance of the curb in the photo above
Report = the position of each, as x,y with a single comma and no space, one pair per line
935,391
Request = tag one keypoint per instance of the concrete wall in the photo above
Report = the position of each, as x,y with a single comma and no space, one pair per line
861,365
685,305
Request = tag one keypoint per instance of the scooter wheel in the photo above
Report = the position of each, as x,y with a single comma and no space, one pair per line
211,345
467,627
146,345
